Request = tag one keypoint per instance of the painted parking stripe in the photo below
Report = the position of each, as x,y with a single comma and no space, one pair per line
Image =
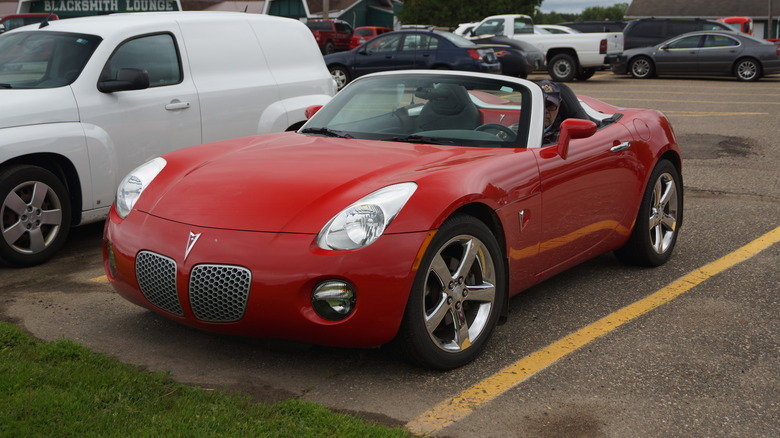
460,406
101,279
724,102
709,114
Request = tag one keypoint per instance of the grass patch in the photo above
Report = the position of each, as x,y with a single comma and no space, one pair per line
62,389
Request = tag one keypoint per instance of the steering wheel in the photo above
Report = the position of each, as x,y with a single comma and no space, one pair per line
508,134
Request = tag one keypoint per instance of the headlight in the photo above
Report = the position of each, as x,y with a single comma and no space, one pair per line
363,222
135,182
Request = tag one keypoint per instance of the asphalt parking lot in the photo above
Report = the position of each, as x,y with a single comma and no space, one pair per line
704,362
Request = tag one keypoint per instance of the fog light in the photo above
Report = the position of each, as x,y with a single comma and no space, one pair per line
111,260
333,300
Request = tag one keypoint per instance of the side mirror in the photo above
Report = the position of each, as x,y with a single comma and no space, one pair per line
311,111
665,47
571,129
126,79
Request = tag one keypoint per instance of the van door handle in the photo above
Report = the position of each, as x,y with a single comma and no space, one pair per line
621,147
176,104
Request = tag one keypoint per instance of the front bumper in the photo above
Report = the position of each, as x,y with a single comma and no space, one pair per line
281,270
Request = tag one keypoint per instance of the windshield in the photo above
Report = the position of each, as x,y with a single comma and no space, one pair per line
43,59
446,110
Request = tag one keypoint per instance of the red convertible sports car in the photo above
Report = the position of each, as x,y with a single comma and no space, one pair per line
408,209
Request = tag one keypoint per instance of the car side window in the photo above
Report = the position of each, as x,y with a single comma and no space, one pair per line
720,41
420,42
495,27
157,54
383,44
343,27
686,43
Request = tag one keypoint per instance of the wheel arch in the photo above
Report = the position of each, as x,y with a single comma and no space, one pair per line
743,58
562,50
63,169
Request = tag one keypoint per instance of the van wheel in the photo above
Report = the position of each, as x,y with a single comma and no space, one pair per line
747,69
641,68
35,214
562,68
340,75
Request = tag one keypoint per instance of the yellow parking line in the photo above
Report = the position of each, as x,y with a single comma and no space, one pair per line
101,279
724,102
710,114
458,407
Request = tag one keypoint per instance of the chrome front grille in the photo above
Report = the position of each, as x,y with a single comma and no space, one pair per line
219,293
156,275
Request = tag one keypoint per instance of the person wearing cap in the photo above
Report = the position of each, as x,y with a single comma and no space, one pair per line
552,105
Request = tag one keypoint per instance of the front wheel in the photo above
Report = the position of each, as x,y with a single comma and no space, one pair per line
340,75
658,221
457,296
35,214
641,68
562,68
747,70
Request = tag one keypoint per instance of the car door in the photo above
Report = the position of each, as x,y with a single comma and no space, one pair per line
718,53
420,50
138,125
381,54
587,195
679,55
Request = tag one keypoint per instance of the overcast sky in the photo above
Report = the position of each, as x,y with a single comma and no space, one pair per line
576,6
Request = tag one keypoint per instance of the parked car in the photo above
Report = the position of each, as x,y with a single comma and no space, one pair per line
365,33
85,100
596,26
10,22
739,24
331,35
517,58
465,29
410,207
703,53
407,49
646,32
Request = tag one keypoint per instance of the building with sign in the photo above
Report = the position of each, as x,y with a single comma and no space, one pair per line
81,8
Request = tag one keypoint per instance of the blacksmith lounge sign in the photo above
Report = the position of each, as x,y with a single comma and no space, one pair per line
80,8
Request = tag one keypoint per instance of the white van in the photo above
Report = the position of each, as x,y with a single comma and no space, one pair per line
84,101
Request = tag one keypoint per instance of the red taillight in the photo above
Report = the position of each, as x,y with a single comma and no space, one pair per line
603,47
474,54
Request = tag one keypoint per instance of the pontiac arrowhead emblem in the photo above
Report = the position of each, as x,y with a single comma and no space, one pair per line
190,243
501,117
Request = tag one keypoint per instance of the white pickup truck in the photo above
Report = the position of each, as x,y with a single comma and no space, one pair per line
569,56
83,101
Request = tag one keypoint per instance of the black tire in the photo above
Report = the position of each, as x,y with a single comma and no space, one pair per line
748,70
562,67
585,74
641,67
329,48
476,297
340,74
32,228
658,221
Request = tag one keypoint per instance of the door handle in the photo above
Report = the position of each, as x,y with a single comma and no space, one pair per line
621,147
177,105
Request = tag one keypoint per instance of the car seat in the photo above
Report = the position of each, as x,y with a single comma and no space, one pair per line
449,107
570,105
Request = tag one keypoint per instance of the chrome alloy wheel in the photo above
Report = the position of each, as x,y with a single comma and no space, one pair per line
663,213
31,217
747,70
459,293
640,68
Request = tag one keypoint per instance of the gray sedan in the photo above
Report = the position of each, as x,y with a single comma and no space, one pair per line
702,53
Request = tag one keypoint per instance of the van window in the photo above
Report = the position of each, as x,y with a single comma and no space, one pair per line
647,29
680,27
157,54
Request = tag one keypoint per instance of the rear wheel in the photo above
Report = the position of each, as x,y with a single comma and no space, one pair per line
658,221
329,48
456,298
34,213
562,68
641,67
747,69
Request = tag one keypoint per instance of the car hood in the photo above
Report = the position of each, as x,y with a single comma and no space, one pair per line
288,182
20,107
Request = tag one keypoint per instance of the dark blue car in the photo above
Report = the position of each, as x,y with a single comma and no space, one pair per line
408,49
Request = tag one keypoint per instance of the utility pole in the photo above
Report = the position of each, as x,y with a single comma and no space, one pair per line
326,9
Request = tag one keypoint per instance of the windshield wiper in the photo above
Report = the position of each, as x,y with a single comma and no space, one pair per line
5,86
422,139
327,132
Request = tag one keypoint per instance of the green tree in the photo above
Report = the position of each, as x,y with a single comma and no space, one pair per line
449,13
614,12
